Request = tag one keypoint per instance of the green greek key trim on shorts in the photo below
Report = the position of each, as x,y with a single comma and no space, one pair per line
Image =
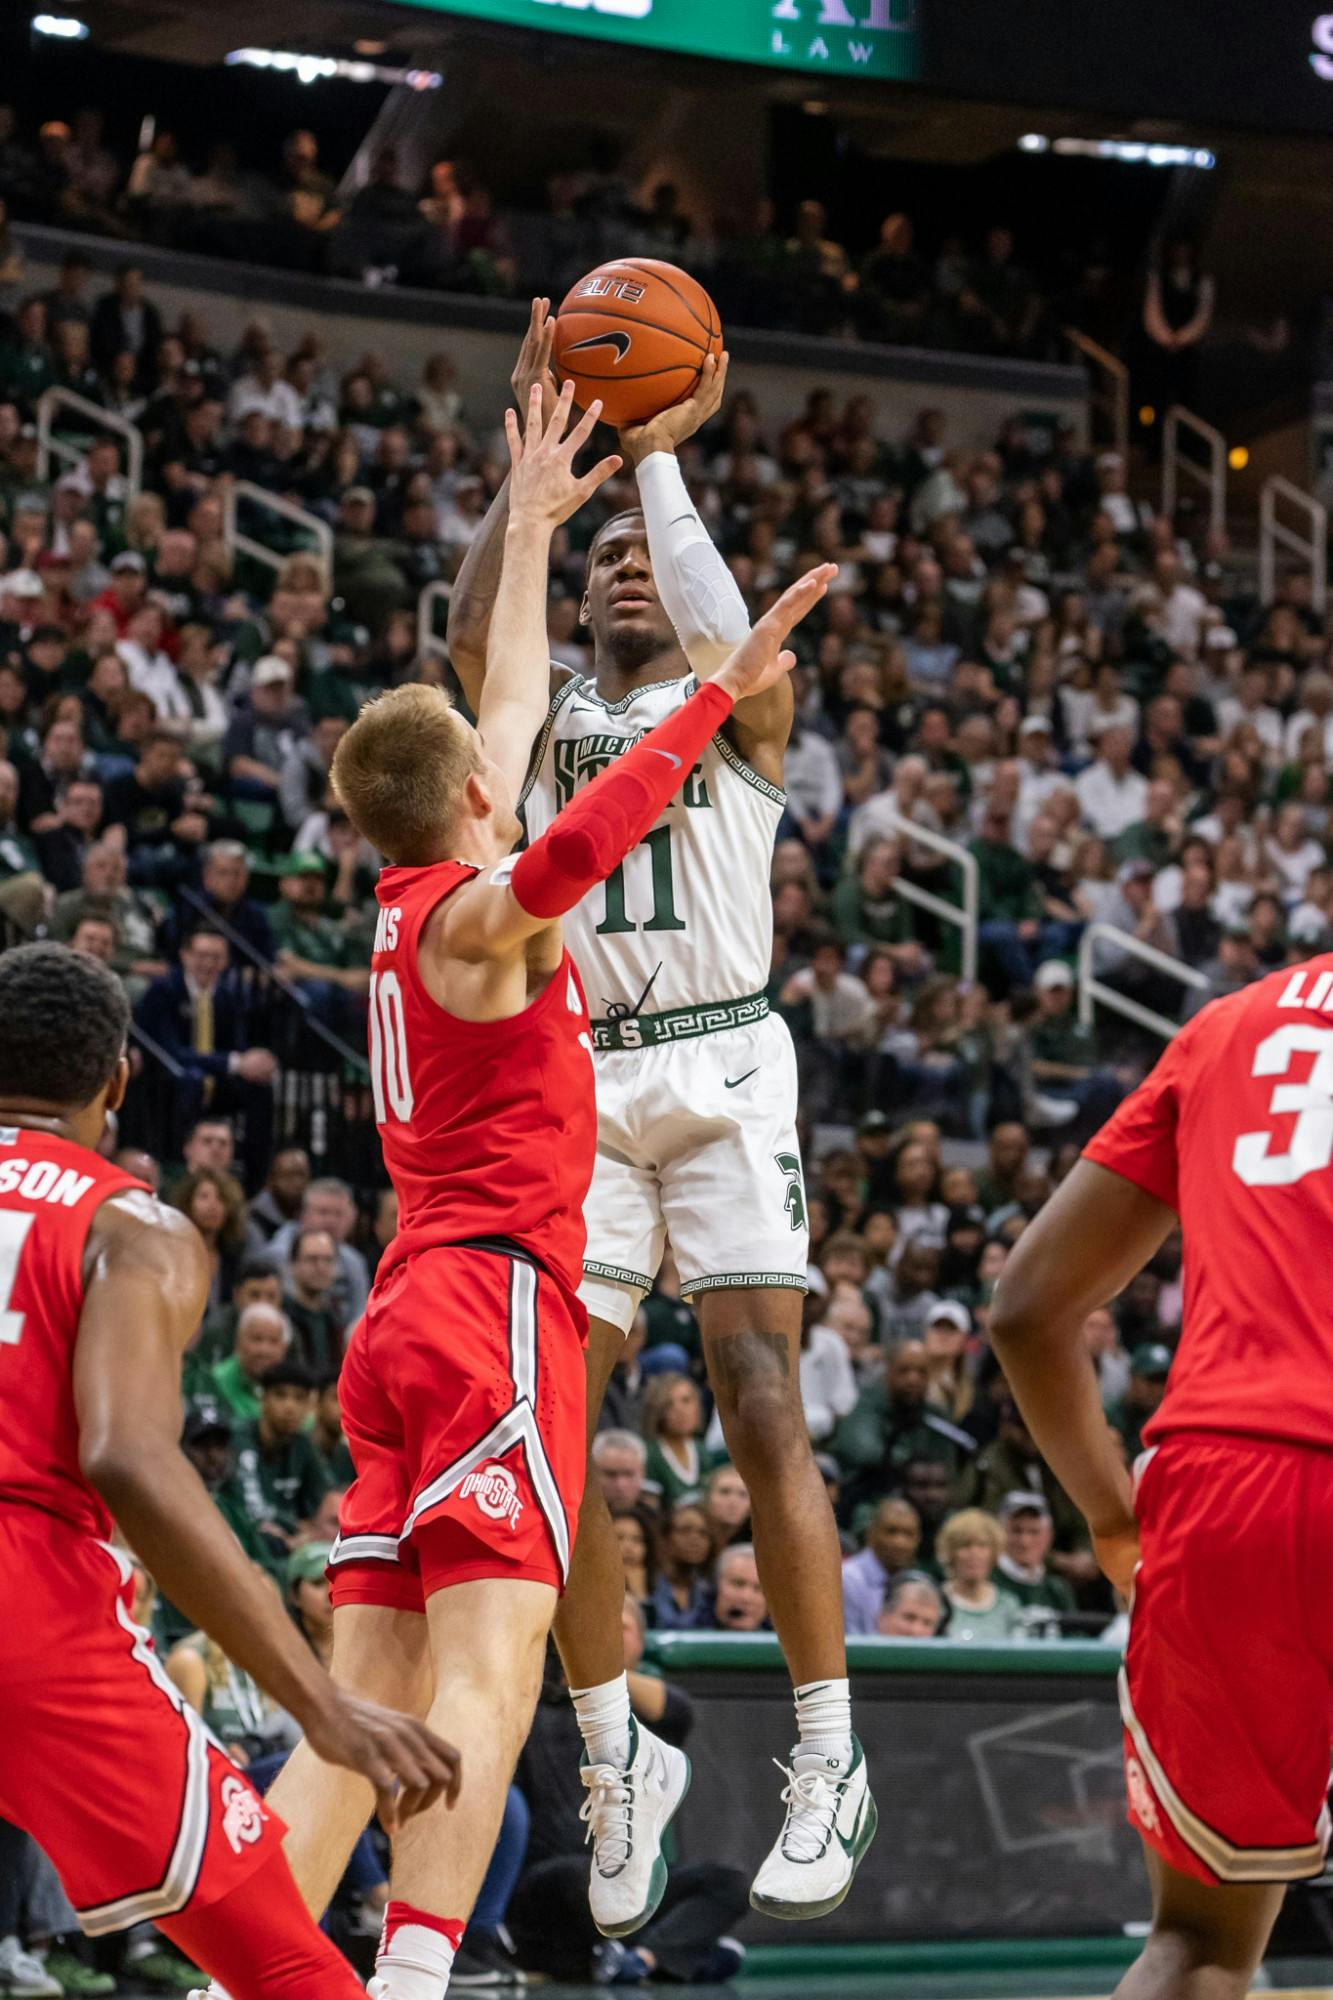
678,1024
558,700
731,755
735,1281
613,1273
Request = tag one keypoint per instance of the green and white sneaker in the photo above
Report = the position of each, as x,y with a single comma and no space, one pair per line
627,1813
831,1821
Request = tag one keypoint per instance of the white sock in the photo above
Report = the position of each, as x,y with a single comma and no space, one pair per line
603,1717
414,1965
824,1720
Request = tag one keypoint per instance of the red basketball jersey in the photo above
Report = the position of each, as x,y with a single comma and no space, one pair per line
50,1190
489,1128
1234,1130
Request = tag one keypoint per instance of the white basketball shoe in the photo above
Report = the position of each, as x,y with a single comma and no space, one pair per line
627,1813
831,1821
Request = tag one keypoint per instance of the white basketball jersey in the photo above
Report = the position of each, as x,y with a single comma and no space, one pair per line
687,917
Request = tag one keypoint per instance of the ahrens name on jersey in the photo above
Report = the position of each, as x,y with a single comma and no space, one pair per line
489,1127
1234,1130
50,1191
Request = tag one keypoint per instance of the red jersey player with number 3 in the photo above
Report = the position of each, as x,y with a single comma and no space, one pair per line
463,1389
1223,1540
101,1760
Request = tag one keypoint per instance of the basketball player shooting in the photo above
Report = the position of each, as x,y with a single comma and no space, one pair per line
696,1100
463,1389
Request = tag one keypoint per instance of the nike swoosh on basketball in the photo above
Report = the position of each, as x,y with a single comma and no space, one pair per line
622,342
735,1082
671,758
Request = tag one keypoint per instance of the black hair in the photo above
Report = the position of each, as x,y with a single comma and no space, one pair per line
287,1375
63,1023
255,1267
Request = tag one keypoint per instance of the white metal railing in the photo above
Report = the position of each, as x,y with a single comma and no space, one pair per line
1094,991
1212,475
50,446
963,917
1311,548
428,639
1108,394
259,496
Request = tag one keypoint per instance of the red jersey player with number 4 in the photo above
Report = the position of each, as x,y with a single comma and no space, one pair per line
101,1760
1223,1538
463,1389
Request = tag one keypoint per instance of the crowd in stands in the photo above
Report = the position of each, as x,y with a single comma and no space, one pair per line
970,291
1018,655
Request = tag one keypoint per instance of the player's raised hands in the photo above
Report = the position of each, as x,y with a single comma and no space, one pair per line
671,428
533,367
409,1766
543,485
760,661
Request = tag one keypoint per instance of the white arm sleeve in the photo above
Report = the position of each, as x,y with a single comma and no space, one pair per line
696,587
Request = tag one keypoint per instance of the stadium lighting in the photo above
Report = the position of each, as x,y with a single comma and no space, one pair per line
317,69
1130,152
60,26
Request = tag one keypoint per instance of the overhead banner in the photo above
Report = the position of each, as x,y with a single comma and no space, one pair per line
876,38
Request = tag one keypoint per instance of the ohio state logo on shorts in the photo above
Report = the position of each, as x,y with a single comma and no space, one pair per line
1142,1803
495,1490
242,1814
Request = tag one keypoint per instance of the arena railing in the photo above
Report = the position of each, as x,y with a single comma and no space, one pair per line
322,1094
429,638
1094,992
244,491
963,917
1108,389
1310,548
1176,466
50,446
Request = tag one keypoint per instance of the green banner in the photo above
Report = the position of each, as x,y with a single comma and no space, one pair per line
875,38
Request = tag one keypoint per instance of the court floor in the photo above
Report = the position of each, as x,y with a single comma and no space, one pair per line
1295,1978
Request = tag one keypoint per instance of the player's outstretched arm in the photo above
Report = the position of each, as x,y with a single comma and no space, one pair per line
1094,1234
472,600
146,1286
495,914
543,491
698,591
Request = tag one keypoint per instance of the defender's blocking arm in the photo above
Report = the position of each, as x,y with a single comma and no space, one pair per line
477,585
543,492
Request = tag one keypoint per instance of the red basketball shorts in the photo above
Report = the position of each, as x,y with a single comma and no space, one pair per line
1227,1690
462,1401
101,1760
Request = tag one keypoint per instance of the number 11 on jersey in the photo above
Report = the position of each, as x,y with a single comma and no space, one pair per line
617,922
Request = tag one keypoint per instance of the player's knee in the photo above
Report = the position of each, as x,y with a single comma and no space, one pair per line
763,1425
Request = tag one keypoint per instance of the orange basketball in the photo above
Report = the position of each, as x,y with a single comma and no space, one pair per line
635,332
